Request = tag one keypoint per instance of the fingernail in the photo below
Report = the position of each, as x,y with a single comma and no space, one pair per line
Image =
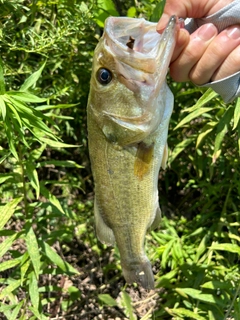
207,31
233,33
181,23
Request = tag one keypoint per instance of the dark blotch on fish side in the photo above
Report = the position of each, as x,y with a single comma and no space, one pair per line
130,43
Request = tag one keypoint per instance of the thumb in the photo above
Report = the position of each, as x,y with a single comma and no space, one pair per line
188,9
174,7
163,22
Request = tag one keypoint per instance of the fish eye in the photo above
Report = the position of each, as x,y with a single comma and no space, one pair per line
104,76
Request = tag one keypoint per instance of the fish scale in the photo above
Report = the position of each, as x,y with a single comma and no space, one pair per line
128,116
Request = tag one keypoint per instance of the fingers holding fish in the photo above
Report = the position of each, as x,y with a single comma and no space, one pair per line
208,56
182,41
212,58
231,63
190,9
199,41
220,58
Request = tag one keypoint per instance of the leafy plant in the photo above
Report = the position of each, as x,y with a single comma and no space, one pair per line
51,264
26,132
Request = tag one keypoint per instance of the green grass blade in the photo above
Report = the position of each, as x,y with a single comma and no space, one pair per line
206,130
54,201
56,259
7,211
3,109
60,163
10,138
107,300
157,12
25,264
205,98
25,96
234,248
167,278
127,303
198,295
183,313
2,82
5,245
33,290
33,250
222,129
33,177
57,106
31,81
16,310
57,144
236,114
9,264
10,288
181,146
11,106
193,115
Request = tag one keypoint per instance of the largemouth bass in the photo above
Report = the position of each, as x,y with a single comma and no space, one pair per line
129,108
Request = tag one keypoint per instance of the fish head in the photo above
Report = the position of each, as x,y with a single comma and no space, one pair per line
129,70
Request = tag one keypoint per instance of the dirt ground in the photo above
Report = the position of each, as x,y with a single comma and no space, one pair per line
91,281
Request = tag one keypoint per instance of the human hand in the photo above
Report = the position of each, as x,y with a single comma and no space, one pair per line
204,55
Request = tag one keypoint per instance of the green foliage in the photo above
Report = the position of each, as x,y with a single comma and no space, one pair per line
36,43
200,281
200,257
24,132
46,185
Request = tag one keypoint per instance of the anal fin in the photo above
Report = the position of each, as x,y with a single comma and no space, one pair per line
165,157
156,220
104,233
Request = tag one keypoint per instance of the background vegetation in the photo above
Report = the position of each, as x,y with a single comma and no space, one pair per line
51,264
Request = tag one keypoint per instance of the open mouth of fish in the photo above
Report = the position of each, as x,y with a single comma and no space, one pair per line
142,51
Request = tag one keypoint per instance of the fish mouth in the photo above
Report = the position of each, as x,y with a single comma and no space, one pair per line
137,44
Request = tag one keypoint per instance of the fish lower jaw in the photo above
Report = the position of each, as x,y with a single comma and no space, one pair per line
140,273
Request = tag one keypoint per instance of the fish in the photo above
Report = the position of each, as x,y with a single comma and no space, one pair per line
128,112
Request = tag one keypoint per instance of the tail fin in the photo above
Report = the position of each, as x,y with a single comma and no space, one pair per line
140,273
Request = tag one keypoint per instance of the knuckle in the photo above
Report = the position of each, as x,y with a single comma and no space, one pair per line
178,74
196,76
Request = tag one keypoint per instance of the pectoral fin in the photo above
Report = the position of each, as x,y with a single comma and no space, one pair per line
165,157
143,160
104,233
